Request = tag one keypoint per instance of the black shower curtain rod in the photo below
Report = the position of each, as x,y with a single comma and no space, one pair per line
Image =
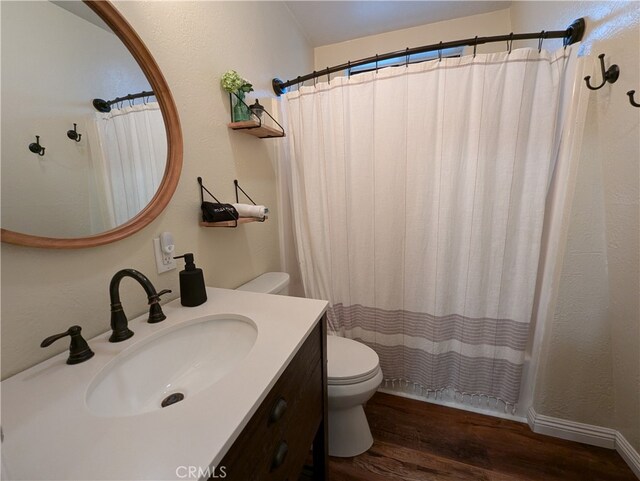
571,34
105,105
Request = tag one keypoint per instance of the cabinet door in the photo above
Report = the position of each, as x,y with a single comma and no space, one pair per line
276,442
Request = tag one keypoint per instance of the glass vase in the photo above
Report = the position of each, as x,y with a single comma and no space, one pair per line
240,110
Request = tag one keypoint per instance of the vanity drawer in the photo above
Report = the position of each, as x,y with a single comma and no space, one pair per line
276,442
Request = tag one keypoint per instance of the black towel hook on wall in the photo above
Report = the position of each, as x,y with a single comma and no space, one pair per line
36,148
631,93
73,134
609,75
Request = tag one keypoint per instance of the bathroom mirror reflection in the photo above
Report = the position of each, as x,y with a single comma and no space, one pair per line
56,58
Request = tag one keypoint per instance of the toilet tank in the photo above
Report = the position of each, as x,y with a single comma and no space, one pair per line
268,283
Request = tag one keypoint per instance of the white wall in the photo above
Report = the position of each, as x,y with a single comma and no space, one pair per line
46,291
53,65
590,369
493,23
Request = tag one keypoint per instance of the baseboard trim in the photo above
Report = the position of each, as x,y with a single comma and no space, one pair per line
630,455
571,430
585,433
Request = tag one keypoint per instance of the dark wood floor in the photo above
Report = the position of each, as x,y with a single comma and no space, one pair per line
419,441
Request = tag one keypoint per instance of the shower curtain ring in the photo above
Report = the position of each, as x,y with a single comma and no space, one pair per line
475,46
440,52
376,63
328,76
540,40
314,78
349,68
406,62
510,42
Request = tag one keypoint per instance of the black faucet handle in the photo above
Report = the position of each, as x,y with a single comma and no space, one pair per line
79,350
155,311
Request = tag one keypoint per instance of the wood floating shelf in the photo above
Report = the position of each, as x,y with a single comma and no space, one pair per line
254,128
230,223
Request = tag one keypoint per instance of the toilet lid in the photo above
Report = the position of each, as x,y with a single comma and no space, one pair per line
349,361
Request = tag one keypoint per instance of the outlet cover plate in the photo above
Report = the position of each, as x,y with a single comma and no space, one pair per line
164,262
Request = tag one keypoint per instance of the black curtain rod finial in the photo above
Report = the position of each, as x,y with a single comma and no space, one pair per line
101,105
276,83
575,32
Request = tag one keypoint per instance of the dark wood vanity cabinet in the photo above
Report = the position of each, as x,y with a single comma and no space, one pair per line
276,443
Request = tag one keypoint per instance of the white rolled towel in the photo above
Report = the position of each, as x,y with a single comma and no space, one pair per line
248,210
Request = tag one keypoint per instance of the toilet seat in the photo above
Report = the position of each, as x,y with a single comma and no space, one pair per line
350,362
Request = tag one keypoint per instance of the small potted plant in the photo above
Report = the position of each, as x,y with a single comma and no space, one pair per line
237,86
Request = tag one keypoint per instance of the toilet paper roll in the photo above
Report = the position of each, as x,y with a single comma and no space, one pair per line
248,210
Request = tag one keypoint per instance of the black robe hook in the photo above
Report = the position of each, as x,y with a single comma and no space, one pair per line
631,93
36,148
609,75
73,134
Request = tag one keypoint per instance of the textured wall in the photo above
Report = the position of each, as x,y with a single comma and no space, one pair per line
493,23
46,291
591,355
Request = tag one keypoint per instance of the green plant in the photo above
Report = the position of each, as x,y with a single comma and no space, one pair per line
232,82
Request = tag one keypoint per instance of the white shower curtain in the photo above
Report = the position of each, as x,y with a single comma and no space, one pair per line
418,197
129,154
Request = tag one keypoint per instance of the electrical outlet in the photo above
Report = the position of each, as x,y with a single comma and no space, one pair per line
164,261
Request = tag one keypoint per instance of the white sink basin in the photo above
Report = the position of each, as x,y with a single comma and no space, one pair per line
182,361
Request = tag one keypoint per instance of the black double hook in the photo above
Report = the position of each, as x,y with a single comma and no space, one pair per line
36,148
73,134
631,93
609,75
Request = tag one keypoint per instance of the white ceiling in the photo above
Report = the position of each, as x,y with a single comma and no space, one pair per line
327,22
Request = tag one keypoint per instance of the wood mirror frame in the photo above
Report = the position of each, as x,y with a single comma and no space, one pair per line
167,187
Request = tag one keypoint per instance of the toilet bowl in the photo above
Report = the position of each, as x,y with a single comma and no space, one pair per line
353,376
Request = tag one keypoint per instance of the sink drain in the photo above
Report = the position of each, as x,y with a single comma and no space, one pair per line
172,399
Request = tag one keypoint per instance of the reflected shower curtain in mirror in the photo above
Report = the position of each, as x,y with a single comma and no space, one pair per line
418,198
129,154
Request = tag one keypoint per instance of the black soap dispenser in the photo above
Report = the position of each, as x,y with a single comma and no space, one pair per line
192,289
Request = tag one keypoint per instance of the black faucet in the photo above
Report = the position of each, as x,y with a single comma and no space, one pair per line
119,322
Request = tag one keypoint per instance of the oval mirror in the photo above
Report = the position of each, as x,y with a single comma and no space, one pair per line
91,140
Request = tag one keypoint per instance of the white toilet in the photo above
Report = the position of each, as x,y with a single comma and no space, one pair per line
353,374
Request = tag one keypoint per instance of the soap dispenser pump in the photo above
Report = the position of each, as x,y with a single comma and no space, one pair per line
192,289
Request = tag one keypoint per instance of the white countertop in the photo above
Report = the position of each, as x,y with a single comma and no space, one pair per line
49,433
